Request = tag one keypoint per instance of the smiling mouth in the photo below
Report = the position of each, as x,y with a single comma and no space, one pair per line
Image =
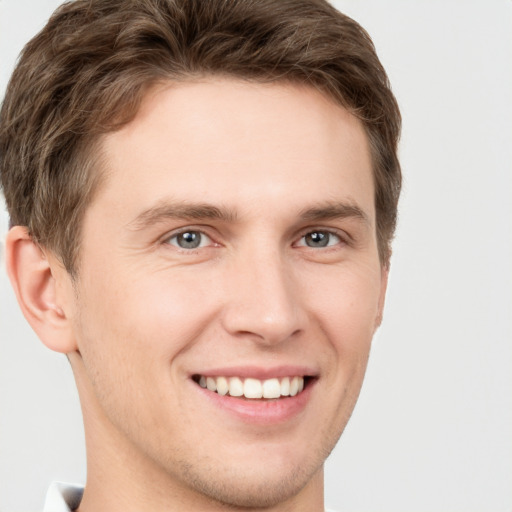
254,389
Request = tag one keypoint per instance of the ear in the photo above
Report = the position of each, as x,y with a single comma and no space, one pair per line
40,286
384,274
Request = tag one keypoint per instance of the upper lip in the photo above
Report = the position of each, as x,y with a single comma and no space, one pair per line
259,372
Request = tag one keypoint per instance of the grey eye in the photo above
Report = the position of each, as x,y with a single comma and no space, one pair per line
321,239
190,240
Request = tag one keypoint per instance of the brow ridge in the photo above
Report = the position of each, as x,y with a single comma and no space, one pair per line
182,210
335,210
203,211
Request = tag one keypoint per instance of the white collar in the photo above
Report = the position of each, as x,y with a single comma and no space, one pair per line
63,497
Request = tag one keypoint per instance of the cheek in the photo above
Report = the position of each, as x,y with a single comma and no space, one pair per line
132,339
347,302
144,317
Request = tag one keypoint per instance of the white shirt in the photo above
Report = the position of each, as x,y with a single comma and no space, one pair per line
63,497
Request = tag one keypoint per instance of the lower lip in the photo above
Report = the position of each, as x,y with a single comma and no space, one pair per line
261,412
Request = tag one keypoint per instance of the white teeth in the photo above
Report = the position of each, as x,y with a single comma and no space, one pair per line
210,384
285,386
271,388
236,387
294,386
253,388
222,385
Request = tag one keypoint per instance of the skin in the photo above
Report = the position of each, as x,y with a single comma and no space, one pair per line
144,314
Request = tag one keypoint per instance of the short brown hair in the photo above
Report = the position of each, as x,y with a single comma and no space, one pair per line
86,73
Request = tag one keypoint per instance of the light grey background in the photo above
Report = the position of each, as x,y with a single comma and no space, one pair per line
433,427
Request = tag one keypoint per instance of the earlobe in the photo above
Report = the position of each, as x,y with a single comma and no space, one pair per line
37,290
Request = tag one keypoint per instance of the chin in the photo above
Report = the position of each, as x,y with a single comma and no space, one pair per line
263,478
260,488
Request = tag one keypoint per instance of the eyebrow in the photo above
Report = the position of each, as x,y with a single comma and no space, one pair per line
331,211
204,211
189,211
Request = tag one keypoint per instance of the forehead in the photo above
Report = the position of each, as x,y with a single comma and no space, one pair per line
233,141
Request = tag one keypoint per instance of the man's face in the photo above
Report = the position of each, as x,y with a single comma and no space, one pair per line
233,241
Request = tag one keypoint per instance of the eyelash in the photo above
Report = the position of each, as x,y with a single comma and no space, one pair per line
329,232
168,238
343,239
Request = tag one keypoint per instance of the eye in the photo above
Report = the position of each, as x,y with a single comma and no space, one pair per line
319,239
190,239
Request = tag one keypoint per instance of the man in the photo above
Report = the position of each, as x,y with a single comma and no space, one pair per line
203,196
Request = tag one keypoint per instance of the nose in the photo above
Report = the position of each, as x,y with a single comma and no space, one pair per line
263,300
